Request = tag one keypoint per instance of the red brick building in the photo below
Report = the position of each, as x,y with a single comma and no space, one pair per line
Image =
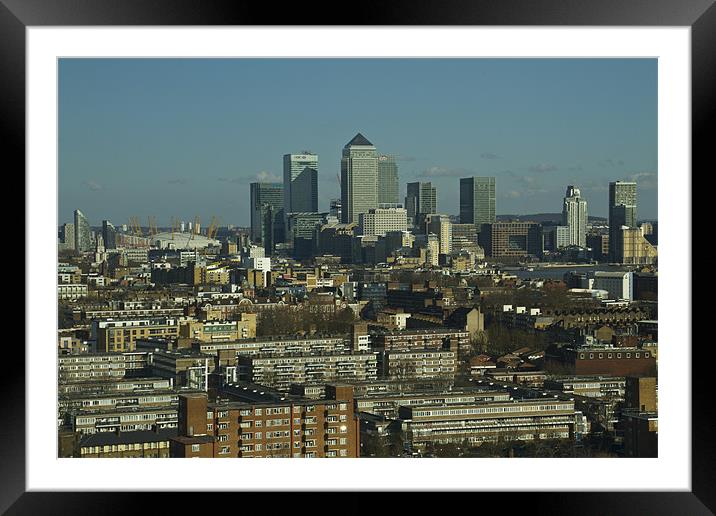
269,426
600,361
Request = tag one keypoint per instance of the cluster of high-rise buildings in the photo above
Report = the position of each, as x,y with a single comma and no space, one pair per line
378,328
372,223
369,224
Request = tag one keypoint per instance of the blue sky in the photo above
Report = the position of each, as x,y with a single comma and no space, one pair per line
185,137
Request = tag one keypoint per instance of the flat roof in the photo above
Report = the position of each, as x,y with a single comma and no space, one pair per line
137,436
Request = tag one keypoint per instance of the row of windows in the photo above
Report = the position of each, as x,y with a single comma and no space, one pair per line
125,447
611,355
144,399
490,410
279,410
125,417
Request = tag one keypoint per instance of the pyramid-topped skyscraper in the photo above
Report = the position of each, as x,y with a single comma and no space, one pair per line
359,178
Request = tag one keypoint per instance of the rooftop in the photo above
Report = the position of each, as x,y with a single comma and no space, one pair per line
359,139
138,436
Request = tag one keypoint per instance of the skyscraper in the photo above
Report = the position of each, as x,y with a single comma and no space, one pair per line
300,183
441,226
267,217
109,235
387,180
335,209
82,232
477,200
68,235
420,201
359,178
622,212
378,221
574,216
302,231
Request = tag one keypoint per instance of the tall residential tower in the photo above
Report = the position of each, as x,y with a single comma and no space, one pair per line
109,235
574,216
82,233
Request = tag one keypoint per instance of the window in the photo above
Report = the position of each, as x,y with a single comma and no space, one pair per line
195,447
646,355
257,411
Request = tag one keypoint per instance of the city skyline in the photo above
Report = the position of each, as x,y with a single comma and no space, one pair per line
575,121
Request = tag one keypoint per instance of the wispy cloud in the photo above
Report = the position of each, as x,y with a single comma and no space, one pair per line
543,167
268,177
646,180
92,185
262,177
445,172
489,155
610,163
520,194
595,186
523,180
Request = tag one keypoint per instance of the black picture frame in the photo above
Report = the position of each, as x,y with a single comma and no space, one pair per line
17,15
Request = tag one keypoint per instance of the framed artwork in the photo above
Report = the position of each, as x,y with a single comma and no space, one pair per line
41,39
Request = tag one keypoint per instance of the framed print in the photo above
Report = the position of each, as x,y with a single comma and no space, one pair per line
313,307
